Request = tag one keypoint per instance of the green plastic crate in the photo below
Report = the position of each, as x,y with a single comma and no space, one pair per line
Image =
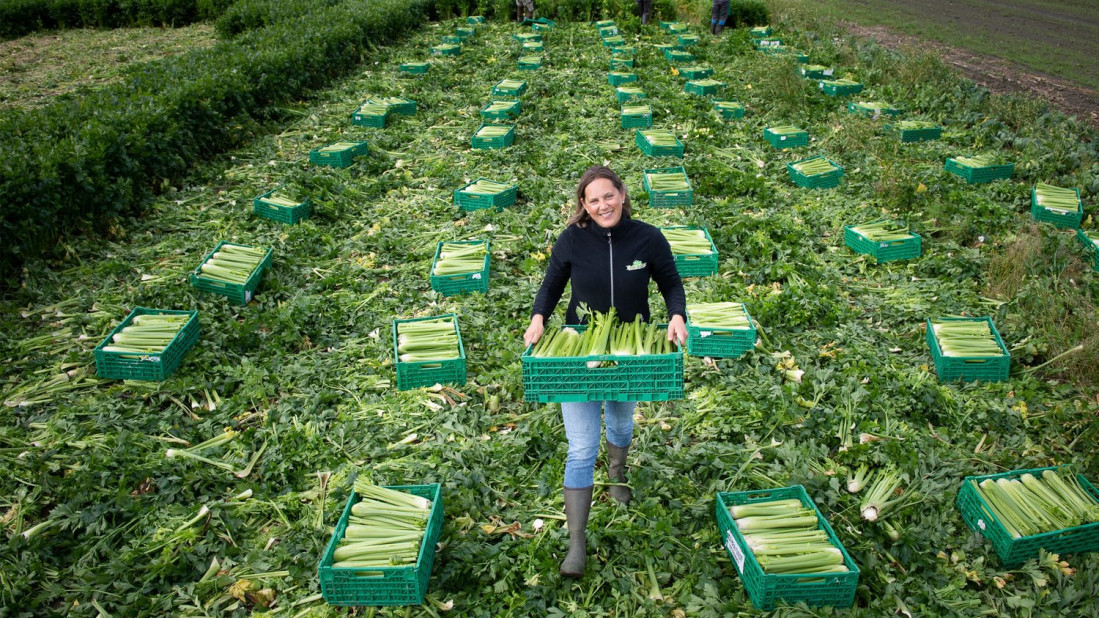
617,79
502,89
969,368
339,158
729,110
649,377
396,105
674,55
624,51
702,88
529,63
834,88
537,27
917,135
528,37
464,32
613,41
667,25
663,47
792,140
885,250
815,71
637,120
155,367
237,293
700,265
760,32
415,375
627,94
452,39
608,31
474,201
677,27
287,215
603,23
765,590
383,586
447,49
492,143
658,151
1069,220
360,118
1013,552
687,40
507,113
824,180
668,199
453,285
979,175
696,72
866,109
721,342
475,20
415,68
1090,247
768,42
617,64
534,47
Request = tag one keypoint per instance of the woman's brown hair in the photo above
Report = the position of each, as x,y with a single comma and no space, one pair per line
593,173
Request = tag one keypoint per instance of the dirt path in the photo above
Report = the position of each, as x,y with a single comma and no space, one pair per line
999,76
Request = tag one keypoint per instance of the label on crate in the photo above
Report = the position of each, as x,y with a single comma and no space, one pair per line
734,549
151,359
247,297
828,72
877,114
476,276
782,138
704,333
981,524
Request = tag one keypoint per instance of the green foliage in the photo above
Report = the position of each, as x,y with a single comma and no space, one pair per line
245,15
92,157
19,17
747,13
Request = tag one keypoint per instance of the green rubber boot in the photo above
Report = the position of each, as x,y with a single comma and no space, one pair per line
577,507
616,471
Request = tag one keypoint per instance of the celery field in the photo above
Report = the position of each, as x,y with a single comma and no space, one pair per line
298,390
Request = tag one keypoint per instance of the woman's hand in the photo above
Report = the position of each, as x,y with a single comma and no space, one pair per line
677,330
535,330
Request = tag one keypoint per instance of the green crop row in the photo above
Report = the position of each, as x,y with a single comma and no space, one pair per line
74,164
19,17
247,15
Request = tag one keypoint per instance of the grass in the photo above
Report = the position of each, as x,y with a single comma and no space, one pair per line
305,372
1052,38
37,68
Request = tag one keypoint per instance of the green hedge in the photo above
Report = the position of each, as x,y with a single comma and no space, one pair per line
75,164
247,15
20,17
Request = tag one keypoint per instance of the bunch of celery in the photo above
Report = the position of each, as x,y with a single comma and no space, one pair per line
605,335
1032,504
1056,199
147,334
814,166
668,182
883,231
232,263
882,495
492,130
385,529
916,125
719,315
484,186
966,338
977,161
786,130
427,340
785,538
687,241
457,258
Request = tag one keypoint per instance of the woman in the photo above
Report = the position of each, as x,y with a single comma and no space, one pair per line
610,259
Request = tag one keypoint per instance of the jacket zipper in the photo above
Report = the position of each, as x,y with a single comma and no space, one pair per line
610,247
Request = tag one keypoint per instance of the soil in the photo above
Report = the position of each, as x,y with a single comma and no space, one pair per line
998,75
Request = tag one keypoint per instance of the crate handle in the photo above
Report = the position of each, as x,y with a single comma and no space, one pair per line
614,365
429,365
975,361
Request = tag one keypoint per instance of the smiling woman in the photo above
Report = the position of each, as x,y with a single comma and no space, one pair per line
610,259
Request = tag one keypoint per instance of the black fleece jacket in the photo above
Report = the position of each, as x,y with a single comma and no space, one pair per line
611,267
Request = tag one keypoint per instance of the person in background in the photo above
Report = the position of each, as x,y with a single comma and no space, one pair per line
718,14
644,7
610,259
524,9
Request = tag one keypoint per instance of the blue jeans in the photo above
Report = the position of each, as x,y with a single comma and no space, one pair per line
583,428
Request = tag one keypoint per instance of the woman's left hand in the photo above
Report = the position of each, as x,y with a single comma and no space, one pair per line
677,330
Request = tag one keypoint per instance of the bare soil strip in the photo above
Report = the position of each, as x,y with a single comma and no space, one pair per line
998,75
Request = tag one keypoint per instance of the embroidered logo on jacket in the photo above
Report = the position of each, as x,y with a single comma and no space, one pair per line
637,265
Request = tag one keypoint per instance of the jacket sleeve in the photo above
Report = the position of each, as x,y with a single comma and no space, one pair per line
557,276
667,277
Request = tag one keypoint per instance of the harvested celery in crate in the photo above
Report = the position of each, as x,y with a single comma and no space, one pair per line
668,187
460,267
786,136
484,193
873,109
1061,207
815,173
280,206
693,249
885,240
628,93
636,115
719,330
658,143
232,270
149,344
979,169
729,109
703,87
492,136
428,351
967,349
